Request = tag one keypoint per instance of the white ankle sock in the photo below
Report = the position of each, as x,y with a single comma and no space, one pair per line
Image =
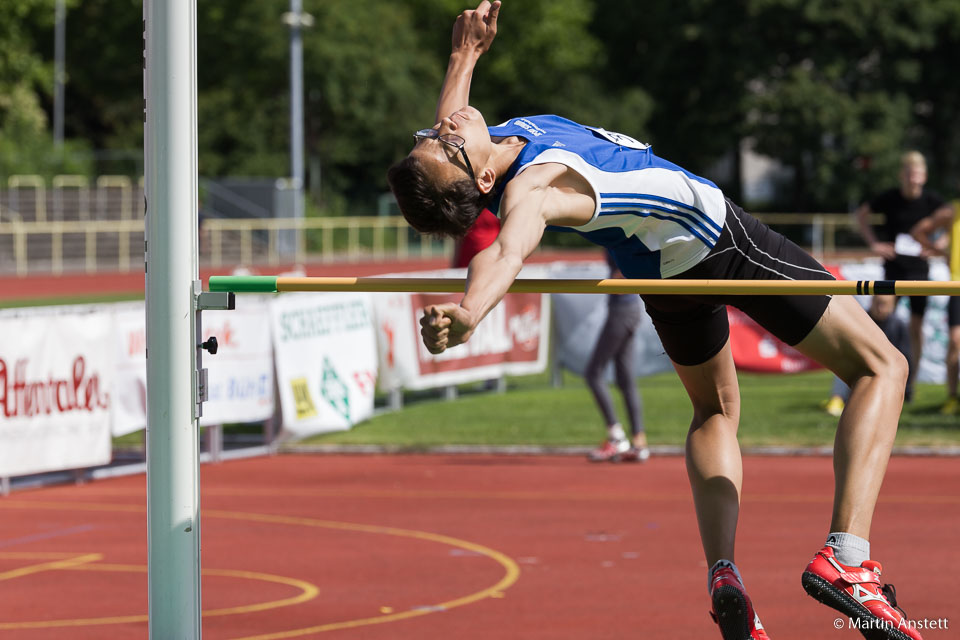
849,549
615,432
721,564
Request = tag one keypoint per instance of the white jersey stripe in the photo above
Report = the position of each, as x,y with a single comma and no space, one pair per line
631,206
659,216
680,205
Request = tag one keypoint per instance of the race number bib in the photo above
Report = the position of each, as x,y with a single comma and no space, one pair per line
620,139
906,245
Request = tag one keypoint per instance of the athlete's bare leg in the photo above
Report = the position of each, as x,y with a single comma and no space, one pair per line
849,343
713,454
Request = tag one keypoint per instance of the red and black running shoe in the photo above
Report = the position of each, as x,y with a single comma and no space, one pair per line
732,609
856,592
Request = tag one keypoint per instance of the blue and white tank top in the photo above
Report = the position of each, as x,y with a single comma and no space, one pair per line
657,218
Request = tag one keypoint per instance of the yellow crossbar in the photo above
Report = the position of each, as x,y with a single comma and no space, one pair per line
665,287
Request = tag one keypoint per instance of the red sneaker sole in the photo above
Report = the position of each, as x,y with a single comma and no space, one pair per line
733,615
869,625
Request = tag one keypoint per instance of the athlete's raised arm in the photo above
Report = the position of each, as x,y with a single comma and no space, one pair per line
490,274
473,32
542,195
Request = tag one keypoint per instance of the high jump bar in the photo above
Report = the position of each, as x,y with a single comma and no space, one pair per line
275,284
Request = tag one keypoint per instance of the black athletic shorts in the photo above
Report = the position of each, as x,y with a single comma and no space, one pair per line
915,269
693,329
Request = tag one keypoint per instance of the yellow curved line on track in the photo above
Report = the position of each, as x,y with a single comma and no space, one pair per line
71,562
511,569
308,591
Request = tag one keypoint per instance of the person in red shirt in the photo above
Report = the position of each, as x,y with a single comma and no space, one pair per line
478,237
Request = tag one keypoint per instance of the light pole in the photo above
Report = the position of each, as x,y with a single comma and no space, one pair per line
59,75
296,19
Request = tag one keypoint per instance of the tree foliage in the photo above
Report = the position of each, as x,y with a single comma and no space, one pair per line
834,91
837,101
25,139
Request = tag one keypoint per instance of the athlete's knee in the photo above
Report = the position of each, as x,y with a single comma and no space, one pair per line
883,362
891,363
720,414
899,367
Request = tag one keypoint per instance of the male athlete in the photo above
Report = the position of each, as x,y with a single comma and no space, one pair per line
663,222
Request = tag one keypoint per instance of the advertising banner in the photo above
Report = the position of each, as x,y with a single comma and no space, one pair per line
326,358
56,373
130,382
512,340
239,375
757,350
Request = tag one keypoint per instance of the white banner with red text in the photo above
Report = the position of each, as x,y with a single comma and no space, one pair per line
130,384
56,371
513,339
326,359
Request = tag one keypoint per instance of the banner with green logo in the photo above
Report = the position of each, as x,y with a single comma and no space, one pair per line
326,358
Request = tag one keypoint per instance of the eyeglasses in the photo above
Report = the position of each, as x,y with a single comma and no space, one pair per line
452,140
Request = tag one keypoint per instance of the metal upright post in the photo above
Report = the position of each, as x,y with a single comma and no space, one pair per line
170,158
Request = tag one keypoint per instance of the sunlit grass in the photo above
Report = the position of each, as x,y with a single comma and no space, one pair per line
776,410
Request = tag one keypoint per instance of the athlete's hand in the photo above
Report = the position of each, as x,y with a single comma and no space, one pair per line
884,250
445,325
474,30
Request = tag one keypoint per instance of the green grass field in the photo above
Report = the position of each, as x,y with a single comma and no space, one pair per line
776,410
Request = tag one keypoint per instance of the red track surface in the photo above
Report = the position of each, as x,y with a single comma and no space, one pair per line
603,551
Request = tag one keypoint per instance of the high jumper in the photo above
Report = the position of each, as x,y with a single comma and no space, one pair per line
662,222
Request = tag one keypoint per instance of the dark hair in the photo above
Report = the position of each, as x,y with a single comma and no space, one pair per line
430,208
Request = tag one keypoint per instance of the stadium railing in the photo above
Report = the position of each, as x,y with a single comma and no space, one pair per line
93,225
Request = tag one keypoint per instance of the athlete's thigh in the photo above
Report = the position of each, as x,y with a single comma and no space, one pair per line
712,385
846,340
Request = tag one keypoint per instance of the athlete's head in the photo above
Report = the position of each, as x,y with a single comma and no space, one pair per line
443,184
913,174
